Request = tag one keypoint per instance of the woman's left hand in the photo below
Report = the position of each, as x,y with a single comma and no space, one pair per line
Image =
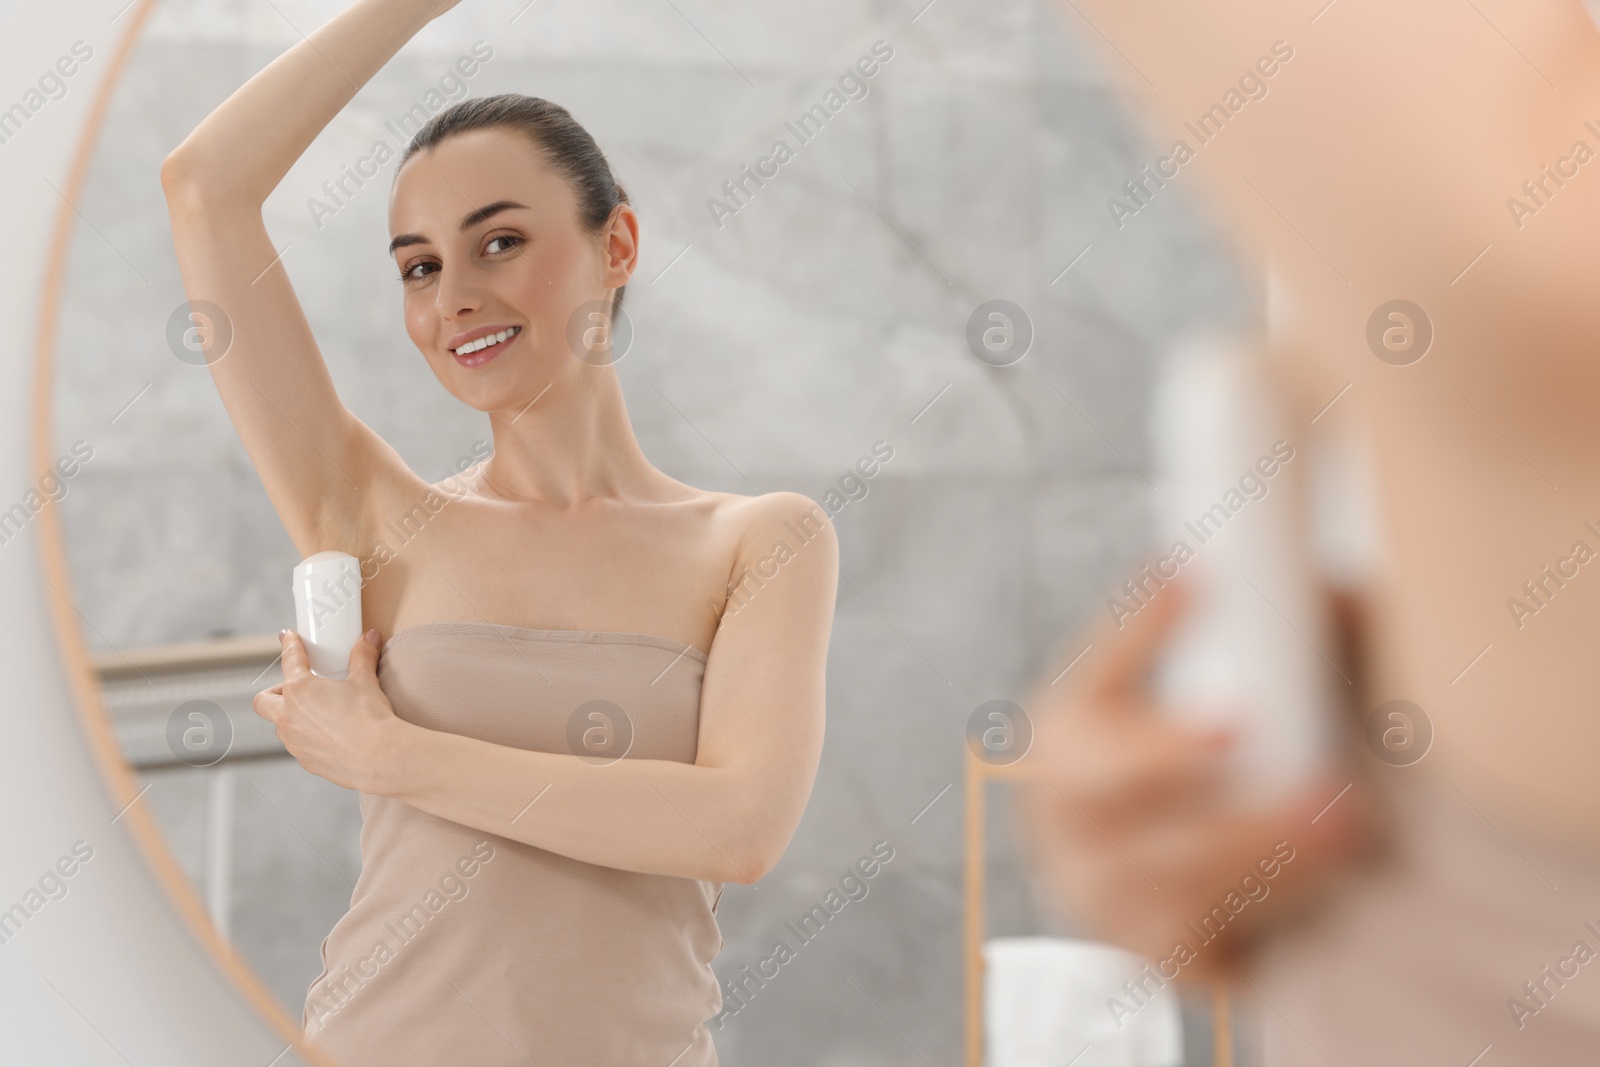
342,730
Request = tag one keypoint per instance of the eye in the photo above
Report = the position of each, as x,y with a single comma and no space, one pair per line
409,273
499,244
500,238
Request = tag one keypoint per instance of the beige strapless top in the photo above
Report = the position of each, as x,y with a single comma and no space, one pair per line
1463,950
462,947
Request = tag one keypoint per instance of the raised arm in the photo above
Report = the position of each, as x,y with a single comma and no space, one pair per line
321,466
1376,151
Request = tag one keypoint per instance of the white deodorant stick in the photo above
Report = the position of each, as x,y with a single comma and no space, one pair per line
327,610
1250,653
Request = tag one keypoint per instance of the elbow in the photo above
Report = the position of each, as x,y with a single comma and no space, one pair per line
749,873
176,174
191,188
754,831
757,862
179,183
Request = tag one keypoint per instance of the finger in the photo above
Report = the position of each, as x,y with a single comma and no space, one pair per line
1338,813
364,656
1304,826
296,662
1133,642
1165,769
268,704
1085,813
1136,887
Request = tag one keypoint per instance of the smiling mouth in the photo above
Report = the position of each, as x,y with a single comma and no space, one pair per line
485,348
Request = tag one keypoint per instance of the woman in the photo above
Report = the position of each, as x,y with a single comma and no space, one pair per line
552,619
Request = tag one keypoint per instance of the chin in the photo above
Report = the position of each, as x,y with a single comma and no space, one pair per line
508,394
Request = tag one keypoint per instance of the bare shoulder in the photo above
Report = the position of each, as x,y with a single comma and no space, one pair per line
771,521
782,533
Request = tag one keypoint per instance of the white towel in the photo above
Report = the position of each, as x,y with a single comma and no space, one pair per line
1050,1002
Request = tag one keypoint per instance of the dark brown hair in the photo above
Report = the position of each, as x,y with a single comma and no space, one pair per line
566,145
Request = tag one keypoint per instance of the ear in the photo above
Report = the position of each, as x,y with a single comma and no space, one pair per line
622,246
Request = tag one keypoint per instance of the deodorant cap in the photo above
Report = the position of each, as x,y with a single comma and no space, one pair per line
327,610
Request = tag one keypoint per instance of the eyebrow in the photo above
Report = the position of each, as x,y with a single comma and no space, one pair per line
471,219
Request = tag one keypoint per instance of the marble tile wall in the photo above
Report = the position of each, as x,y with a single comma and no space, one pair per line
829,312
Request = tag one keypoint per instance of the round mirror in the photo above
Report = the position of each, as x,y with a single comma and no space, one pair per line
816,317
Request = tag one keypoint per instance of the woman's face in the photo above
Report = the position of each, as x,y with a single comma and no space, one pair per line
487,239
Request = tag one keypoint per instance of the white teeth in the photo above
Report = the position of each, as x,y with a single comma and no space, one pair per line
485,341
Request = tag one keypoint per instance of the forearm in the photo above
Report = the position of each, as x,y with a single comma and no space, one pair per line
651,816
241,151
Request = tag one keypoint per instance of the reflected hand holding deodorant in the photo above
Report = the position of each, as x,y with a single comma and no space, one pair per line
327,610
1248,654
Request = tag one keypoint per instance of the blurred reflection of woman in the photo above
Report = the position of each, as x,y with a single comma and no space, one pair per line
1439,911
571,605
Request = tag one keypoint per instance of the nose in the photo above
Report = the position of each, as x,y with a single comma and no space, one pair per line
458,293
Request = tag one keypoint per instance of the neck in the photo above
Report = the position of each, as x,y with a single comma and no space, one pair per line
573,444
